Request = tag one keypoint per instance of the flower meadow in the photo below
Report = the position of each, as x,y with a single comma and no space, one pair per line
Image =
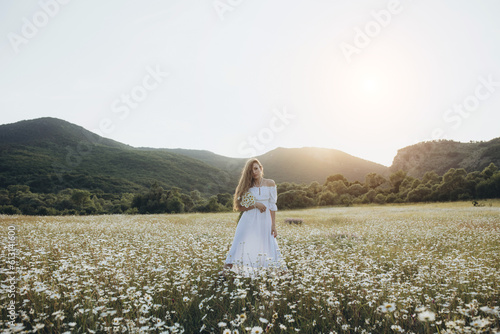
427,268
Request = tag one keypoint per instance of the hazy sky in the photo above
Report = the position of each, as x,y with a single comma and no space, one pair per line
240,78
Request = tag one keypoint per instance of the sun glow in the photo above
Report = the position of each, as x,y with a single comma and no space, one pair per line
370,85
379,88
369,98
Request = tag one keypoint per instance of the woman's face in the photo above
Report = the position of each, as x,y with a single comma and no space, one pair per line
256,170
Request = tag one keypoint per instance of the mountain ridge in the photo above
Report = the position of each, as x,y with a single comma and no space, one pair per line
440,156
50,154
51,129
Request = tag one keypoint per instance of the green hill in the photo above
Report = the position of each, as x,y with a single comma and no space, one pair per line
298,165
50,166
308,164
232,166
49,155
440,156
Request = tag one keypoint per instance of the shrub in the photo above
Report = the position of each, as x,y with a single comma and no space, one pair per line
9,210
379,199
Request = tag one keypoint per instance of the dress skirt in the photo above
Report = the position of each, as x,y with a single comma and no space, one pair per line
254,249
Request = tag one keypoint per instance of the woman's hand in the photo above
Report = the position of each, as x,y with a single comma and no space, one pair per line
260,206
274,233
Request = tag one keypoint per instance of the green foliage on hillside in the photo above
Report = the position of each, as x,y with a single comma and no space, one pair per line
455,184
49,166
18,199
441,155
51,155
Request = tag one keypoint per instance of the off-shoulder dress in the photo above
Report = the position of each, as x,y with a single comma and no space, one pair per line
254,247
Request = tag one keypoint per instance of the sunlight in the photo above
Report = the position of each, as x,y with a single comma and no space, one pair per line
377,89
370,98
370,85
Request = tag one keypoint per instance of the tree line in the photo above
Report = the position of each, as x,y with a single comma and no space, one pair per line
455,184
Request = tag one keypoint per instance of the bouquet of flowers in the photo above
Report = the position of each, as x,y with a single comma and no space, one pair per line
247,200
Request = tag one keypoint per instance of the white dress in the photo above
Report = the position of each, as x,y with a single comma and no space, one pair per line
254,247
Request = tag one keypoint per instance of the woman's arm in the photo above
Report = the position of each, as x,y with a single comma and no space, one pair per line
242,208
273,206
257,205
274,232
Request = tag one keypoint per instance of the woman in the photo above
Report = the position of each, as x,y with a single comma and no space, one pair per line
254,246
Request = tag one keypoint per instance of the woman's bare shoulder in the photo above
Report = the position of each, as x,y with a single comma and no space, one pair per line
269,182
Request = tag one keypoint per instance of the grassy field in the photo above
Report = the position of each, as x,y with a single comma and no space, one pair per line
428,268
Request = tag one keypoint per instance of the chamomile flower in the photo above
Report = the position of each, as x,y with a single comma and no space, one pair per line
427,316
242,317
257,330
387,307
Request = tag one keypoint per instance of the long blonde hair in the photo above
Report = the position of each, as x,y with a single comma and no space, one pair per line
246,180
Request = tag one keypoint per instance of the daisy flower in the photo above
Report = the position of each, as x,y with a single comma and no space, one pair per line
257,330
427,316
387,307
242,317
